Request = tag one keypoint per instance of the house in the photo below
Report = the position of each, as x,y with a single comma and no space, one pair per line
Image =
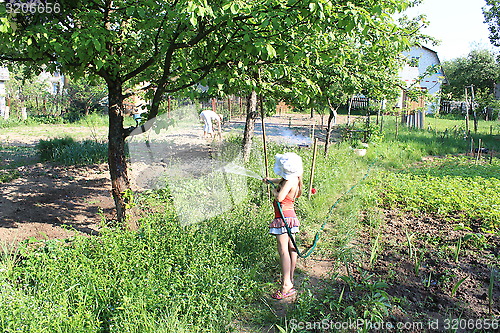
4,77
422,71
55,82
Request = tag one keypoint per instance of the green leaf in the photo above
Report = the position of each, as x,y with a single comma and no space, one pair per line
97,45
193,20
4,24
271,51
377,10
234,8
455,287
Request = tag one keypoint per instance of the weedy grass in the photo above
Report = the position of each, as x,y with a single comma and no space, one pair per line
68,151
163,277
8,175
94,119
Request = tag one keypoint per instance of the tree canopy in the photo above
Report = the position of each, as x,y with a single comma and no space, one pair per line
479,68
491,14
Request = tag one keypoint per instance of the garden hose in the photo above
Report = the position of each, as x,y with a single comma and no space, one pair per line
316,237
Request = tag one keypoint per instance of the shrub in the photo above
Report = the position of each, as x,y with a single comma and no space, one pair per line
8,175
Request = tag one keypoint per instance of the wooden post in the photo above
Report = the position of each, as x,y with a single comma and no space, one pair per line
478,151
264,135
214,104
474,112
313,164
169,115
397,124
349,111
264,143
229,108
466,113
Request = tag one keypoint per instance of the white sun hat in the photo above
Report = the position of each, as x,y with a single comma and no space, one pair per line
288,165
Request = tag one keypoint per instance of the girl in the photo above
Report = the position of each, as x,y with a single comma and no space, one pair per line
289,167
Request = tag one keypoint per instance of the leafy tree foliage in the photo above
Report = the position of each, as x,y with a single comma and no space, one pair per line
28,91
480,68
492,16
170,44
85,96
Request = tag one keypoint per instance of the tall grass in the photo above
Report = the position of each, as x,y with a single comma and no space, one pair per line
67,151
162,278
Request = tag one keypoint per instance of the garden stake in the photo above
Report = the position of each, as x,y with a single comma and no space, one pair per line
315,150
478,151
316,237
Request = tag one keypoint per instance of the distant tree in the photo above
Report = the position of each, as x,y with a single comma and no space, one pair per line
30,92
480,69
491,14
84,96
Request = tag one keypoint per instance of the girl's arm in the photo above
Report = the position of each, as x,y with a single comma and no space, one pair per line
288,186
272,180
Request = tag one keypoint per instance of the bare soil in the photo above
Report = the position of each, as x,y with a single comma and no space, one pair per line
417,257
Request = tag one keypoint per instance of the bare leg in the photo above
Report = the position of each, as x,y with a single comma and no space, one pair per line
286,262
293,259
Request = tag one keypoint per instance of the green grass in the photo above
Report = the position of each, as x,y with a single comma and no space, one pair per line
67,151
162,278
94,126
459,125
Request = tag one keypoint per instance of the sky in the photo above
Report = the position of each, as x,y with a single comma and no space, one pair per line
458,24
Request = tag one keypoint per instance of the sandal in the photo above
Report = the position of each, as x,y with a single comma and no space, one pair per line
279,295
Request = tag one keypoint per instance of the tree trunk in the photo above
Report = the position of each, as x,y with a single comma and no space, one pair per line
349,111
331,118
120,185
249,125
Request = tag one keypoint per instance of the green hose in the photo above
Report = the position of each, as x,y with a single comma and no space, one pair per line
316,237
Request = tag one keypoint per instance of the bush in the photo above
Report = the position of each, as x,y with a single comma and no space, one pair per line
8,175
